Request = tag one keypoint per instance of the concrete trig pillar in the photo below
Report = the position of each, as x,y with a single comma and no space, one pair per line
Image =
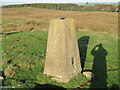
62,54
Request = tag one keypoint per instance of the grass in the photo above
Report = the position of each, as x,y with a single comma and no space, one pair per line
23,52
24,56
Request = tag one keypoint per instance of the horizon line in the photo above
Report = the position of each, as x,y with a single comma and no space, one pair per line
10,3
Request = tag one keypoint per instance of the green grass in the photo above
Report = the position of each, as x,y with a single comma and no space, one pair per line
24,55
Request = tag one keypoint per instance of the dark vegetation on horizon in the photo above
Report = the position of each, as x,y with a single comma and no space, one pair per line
69,7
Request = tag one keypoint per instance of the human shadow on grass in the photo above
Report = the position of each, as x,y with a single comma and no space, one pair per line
99,68
83,44
53,87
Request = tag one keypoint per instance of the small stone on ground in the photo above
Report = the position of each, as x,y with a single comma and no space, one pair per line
88,74
1,78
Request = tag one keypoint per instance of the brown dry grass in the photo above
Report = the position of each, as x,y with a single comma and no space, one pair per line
39,18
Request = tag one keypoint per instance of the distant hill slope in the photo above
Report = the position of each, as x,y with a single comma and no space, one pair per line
27,18
68,6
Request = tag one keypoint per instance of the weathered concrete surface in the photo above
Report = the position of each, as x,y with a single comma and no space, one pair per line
62,55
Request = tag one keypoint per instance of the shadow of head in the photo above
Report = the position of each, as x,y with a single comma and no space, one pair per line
99,51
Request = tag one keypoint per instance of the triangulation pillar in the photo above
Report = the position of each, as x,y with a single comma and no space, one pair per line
62,54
